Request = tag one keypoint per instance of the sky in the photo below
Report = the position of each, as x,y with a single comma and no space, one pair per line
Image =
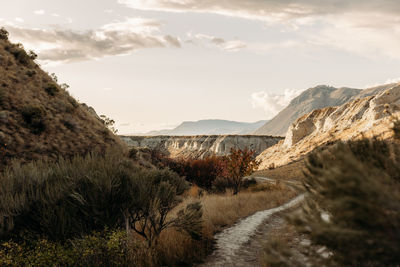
151,64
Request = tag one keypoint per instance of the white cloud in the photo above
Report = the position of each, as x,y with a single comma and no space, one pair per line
55,15
212,41
273,103
270,10
118,38
365,27
39,12
388,81
17,19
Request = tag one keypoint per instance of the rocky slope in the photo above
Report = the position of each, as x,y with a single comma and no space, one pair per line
202,145
38,118
314,98
368,116
211,127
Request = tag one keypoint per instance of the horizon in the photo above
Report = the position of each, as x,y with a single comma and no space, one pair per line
151,65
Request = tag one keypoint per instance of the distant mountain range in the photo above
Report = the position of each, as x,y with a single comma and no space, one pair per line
317,97
211,127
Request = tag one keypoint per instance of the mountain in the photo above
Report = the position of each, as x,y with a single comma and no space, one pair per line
211,127
38,118
371,116
317,97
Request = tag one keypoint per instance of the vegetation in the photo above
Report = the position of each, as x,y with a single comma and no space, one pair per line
34,117
51,89
238,164
32,103
352,213
109,123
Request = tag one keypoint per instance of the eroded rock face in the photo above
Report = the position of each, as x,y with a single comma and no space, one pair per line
369,116
202,145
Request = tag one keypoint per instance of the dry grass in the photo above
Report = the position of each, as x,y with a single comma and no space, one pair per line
220,211
291,171
62,127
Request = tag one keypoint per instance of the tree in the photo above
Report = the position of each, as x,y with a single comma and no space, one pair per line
239,163
109,123
157,194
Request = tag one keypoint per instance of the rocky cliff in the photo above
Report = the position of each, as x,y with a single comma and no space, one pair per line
317,97
368,116
202,145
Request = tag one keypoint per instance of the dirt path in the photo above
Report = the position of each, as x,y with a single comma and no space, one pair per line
240,244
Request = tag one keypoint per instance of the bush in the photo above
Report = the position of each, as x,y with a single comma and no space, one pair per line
106,248
238,164
2,95
30,73
202,172
353,205
34,117
3,34
74,197
52,89
19,53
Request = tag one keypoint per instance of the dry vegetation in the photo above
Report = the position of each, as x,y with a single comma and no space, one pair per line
291,171
38,118
219,212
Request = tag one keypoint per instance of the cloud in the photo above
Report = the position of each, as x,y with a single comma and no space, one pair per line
39,12
20,20
273,103
204,39
269,10
118,38
388,81
365,27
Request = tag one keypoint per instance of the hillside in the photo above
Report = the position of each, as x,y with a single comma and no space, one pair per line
38,118
363,117
313,98
211,127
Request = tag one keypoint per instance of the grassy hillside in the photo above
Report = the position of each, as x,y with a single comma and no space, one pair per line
38,118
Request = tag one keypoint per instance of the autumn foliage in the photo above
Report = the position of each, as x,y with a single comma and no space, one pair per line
216,173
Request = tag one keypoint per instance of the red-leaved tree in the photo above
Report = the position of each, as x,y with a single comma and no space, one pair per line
239,163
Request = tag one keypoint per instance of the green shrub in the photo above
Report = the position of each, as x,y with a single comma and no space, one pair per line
106,248
75,197
52,89
34,117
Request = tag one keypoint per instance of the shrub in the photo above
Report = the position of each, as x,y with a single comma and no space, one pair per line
70,123
2,95
3,34
30,73
19,53
51,89
34,117
353,205
201,172
106,248
239,163
74,197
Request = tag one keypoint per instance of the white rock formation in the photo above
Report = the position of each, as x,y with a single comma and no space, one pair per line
369,116
202,145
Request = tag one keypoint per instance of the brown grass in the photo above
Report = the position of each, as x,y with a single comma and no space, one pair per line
291,171
220,211
63,127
